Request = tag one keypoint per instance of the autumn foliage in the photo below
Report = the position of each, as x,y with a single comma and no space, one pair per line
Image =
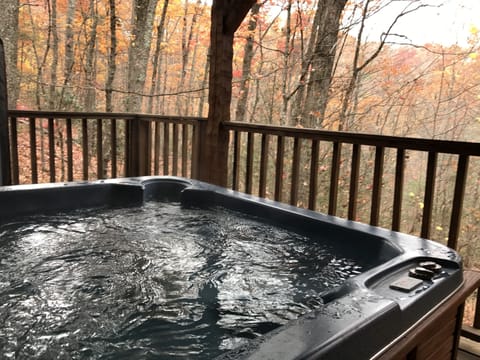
387,85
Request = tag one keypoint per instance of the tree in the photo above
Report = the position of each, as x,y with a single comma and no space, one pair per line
112,56
90,59
9,34
247,65
54,63
318,65
143,13
69,52
357,65
182,104
156,56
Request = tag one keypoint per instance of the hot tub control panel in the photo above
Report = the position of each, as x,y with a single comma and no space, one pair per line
426,270
415,279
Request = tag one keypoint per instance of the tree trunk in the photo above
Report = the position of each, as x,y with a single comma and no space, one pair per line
285,70
139,51
187,36
191,79
40,63
204,84
90,66
247,65
9,34
321,62
112,55
297,110
54,65
156,56
69,55
162,103
256,97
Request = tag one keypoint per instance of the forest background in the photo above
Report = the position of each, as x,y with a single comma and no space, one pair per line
300,63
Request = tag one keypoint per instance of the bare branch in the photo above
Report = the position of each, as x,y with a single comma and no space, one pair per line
384,35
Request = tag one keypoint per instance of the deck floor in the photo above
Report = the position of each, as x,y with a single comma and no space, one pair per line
468,350
463,355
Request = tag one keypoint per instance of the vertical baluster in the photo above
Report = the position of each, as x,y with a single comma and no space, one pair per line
377,185
156,151
279,168
457,204
69,150
184,149
166,148
175,150
295,171
195,150
237,138
85,154
354,173
14,151
398,192
249,172
51,148
127,149
313,192
332,201
147,149
263,166
429,192
33,150
198,133
113,146
476,318
99,149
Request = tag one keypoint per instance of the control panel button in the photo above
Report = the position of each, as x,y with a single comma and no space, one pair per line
431,265
421,273
406,284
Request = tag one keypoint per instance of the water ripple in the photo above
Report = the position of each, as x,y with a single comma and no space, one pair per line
154,281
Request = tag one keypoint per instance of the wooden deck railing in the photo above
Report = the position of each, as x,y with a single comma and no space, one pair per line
67,146
368,178
307,142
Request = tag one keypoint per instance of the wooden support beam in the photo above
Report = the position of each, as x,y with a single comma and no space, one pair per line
5,178
226,17
237,10
138,147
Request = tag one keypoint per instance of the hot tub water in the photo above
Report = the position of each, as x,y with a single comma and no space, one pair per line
155,281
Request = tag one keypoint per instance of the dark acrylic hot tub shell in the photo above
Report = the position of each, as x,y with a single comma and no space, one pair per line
360,319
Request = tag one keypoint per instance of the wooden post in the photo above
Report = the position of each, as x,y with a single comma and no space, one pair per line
138,147
5,178
226,17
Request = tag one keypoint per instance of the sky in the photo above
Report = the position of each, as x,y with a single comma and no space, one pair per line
445,22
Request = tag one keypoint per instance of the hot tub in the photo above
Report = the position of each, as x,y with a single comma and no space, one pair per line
113,269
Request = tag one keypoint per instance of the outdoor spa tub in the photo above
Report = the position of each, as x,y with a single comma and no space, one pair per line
166,267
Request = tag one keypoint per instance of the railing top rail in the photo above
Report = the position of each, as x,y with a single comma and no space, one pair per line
397,142
45,114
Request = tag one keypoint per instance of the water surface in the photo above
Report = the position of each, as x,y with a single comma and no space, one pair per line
157,281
